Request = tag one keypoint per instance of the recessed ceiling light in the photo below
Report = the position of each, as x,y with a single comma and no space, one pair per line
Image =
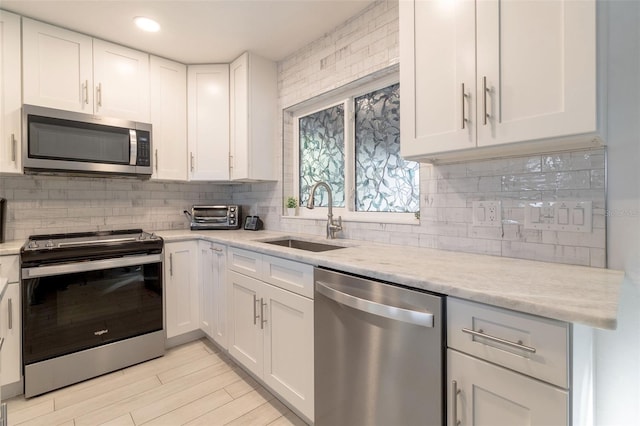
146,24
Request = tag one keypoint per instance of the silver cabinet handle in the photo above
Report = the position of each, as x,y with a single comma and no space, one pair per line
171,264
217,250
1,342
454,403
517,345
465,95
99,94
85,90
3,414
424,319
156,160
255,310
484,100
14,148
10,310
192,161
262,320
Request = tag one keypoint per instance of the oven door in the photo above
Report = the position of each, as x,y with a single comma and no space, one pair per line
75,306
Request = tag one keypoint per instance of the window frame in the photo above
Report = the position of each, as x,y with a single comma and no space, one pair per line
349,212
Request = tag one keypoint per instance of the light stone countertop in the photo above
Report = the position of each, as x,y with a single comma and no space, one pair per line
11,247
576,294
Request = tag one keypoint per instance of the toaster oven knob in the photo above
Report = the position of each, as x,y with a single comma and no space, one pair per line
49,244
33,245
233,209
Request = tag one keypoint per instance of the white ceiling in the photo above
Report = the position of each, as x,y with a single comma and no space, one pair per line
198,31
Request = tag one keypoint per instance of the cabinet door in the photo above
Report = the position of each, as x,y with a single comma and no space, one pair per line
288,347
11,331
10,95
252,99
437,52
181,288
57,67
245,325
208,121
213,300
539,61
207,266
492,395
169,119
121,81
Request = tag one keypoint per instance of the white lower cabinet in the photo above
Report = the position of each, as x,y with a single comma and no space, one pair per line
213,282
271,333
10,322
481,393
181,287
508,368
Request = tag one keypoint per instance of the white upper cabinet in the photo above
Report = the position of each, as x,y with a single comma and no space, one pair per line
208,122
253,94
10,96
121,80
71,71
57,67
488,73
169,119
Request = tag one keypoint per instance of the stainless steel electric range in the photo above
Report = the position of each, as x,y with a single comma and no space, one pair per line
91,304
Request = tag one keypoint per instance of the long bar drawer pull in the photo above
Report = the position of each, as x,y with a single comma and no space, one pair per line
517,344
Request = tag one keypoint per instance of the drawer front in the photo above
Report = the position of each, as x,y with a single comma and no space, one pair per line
535,346
9,268
288,275
245,262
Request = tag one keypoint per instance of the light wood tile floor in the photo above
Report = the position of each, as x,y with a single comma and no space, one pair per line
193,384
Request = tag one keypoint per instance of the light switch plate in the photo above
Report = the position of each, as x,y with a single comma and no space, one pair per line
572,216
487,213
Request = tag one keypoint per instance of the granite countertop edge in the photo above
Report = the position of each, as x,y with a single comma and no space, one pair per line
575,294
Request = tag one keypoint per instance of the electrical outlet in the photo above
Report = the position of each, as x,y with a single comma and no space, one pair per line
572,216
487,213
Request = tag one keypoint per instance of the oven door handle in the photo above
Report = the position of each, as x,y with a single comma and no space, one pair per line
96,265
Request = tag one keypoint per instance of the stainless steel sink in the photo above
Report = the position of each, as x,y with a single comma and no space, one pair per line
303,245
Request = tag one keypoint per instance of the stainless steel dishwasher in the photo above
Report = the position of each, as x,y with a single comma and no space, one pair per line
378,353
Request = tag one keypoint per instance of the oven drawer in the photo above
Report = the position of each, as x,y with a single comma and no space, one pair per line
535,346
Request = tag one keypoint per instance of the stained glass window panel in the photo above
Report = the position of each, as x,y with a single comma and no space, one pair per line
321,137
384,181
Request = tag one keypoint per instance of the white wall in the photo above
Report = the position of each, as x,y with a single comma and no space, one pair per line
618,353
368,43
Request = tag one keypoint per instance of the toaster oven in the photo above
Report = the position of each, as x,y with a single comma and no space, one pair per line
215,217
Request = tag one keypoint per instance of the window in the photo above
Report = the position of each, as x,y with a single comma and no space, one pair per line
354,146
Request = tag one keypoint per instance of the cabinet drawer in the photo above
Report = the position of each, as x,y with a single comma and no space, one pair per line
289,275
532,345
245,262
491,395
9,268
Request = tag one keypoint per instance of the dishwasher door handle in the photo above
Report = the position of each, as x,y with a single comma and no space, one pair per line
424,319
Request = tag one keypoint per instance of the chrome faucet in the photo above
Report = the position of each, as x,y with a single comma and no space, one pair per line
332,227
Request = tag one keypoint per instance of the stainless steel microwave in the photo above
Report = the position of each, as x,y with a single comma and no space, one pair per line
57,141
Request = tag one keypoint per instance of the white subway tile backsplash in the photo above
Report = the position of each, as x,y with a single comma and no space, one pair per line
56,204
369,43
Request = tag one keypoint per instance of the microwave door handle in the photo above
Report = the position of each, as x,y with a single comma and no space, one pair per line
133,147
